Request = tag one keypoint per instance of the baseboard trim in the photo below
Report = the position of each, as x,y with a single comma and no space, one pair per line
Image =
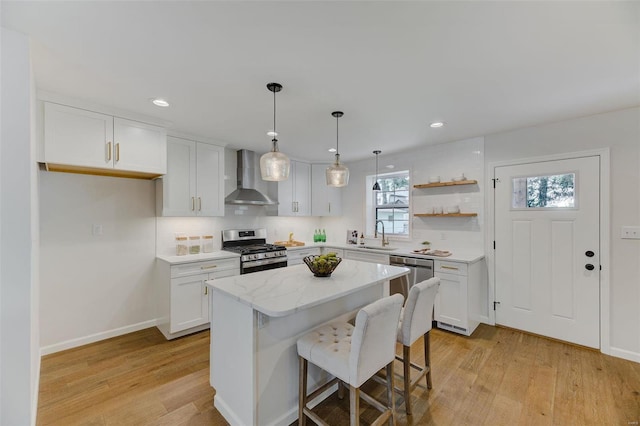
92,338
36,391
625,354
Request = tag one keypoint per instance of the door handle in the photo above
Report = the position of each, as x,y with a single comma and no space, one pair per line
589,267
193,203
589,253
199,204
118,151
109,151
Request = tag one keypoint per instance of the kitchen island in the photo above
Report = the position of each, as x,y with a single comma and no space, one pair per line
256,320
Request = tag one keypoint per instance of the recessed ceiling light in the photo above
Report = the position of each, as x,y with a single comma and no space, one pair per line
436,124
272,133
160,102
389,166
332,150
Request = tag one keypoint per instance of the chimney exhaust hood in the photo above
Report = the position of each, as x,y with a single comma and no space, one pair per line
246,194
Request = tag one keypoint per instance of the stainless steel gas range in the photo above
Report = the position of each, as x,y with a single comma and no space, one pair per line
255,254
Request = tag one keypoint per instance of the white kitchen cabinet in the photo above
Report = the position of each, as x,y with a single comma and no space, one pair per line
295,256
366,256
325,200
338,251
77,140
194,183
294,194
182,299
461,302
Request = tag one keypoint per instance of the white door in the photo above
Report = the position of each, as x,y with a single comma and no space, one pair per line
547,266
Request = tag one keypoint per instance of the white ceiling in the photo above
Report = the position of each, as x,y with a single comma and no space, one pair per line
392,67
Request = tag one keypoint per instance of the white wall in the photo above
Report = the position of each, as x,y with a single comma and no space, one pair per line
620,131
445,160
95,286
19,357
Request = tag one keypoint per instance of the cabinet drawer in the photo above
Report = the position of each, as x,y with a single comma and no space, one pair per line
301,253
206,266
366,256
450,267
223,273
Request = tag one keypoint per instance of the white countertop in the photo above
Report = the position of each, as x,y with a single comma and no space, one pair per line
188,258
465,256
284,291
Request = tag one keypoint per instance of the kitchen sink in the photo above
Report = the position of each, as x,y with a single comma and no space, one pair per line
385,248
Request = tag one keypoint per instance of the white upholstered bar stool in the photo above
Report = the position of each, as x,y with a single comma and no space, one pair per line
353,355
415,321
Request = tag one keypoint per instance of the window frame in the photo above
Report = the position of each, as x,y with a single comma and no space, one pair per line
372,206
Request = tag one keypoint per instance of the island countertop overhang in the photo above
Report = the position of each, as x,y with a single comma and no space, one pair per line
284,291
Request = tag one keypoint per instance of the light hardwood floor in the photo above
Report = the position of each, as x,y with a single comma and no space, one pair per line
495,377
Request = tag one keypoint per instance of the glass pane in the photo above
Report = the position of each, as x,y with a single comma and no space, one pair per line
553,191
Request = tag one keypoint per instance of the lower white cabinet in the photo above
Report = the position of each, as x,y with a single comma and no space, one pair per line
461,302
182,295
366,256
295,256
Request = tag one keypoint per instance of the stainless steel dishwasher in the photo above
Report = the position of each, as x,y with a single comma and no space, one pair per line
421,269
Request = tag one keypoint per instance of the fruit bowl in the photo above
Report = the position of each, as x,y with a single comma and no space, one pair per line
322,265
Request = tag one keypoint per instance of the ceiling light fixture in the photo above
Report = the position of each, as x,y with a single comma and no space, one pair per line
376,185
436,124
274,165
160,102
337,174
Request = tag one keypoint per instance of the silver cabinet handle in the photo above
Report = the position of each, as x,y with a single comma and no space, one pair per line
193,203
329,207
199,204
108,151
118,151
206,290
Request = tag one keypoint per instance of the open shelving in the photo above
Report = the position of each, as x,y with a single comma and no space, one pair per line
439,184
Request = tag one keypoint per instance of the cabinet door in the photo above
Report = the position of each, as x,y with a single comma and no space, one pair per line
77,137
139,147
451,300
179,184
189,303
365,256
286,206
302,188
325,200
210,180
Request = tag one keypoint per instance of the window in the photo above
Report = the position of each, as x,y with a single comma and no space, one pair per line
391,203
544,192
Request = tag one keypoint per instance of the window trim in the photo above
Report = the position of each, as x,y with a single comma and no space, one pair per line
371,207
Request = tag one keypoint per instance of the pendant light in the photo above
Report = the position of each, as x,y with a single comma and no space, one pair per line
337,174
376,185
274,165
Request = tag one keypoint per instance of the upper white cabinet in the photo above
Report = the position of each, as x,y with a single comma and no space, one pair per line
78,140
194,183
326,200
294,194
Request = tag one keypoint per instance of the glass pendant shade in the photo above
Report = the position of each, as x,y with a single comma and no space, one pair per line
274,165
337,174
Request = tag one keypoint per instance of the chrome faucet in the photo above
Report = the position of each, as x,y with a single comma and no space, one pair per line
385,242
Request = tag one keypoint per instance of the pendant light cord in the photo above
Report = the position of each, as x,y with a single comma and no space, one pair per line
274,118
337,138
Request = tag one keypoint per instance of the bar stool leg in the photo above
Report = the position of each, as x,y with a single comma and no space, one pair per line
340,390
427,357
390,394
302,398
354,405
406,363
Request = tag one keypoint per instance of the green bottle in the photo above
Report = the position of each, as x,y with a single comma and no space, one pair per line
323,237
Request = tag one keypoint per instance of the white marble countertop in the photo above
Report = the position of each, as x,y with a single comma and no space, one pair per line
188,258
465,256
284,291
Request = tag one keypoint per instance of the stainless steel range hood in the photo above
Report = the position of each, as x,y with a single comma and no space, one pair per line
246,194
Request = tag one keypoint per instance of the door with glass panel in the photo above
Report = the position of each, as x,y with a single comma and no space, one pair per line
547,267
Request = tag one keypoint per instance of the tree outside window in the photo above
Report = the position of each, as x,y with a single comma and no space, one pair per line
392,203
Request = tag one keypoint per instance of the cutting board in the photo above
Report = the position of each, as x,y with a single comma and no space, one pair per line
289,243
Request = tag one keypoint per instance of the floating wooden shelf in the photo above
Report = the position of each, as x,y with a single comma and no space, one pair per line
446,214
438,184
